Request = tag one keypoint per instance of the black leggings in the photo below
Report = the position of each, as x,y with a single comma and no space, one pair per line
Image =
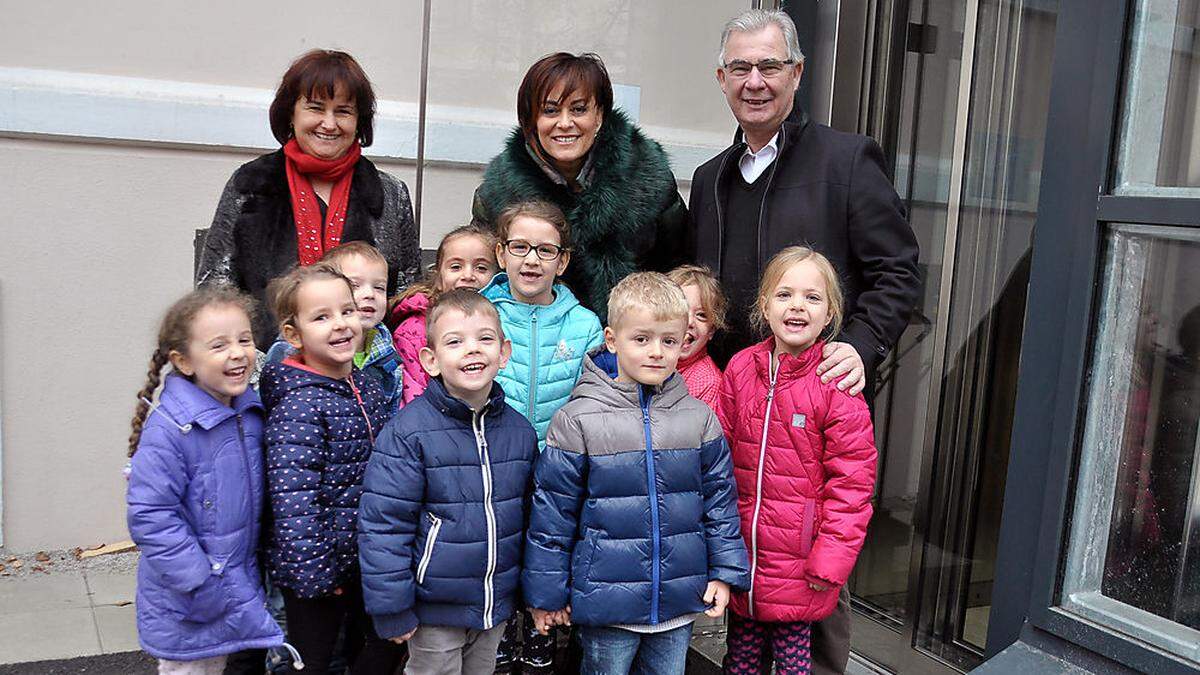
313,625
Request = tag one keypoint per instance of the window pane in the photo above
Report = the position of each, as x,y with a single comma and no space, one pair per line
1160,143
1134,552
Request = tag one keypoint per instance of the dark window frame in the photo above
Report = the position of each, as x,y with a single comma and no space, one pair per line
1074,212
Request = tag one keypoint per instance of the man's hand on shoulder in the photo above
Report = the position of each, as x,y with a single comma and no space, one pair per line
842,360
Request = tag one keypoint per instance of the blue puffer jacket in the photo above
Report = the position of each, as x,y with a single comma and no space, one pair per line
320,432
549,340
195,498
635,508
443,514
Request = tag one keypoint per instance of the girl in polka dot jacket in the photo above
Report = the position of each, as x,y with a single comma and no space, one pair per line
322,418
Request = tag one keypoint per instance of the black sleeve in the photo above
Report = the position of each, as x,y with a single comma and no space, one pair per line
884,250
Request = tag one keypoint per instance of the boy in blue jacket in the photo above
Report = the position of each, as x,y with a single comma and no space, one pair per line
442,516
634,528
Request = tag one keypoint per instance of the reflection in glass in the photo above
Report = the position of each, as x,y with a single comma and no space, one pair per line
944,416
1160,144
1146,564
1137,517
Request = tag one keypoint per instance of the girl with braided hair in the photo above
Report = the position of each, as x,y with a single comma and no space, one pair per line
196,489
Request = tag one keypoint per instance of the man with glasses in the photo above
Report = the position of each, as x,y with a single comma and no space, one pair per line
787,180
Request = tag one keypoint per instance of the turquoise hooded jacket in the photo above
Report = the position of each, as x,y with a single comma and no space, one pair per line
548,346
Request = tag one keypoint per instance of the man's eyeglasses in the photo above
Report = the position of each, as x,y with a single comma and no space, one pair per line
768,68
521,248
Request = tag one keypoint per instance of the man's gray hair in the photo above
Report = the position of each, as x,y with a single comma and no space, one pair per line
754,20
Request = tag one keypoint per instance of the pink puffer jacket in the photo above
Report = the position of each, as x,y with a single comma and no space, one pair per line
805,478
409,338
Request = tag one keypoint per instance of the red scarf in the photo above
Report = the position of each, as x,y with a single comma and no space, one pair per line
310,244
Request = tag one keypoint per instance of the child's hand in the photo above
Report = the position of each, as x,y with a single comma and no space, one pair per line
818,587
543,620
338,591
404,638
716,596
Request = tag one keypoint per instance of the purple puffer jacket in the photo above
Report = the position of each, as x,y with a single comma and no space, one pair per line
195,497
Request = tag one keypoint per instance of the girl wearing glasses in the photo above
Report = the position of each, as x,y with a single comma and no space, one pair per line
550,333
614,184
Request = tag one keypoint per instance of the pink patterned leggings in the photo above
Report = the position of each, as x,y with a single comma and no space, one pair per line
748,639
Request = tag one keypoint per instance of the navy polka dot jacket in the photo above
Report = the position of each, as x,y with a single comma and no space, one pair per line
320,432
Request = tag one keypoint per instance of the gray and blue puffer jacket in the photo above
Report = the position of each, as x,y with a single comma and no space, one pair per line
320,432
194,502
442,520
634,507
548,346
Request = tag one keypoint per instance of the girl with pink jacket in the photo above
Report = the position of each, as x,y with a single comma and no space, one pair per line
466,258
804,461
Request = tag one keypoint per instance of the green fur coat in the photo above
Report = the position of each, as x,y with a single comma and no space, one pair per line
627,216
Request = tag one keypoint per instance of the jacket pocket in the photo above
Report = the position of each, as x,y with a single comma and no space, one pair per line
808,527
430,539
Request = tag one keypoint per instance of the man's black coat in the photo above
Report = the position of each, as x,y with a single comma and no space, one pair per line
828,190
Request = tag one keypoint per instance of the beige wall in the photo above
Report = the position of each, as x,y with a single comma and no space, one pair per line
99,242
216,42
99,223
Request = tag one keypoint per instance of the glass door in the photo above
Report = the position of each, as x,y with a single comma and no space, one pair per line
956,91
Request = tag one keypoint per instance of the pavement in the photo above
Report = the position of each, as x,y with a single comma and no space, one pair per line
61,616
54,607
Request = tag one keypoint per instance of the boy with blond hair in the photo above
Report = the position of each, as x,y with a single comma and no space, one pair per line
634,529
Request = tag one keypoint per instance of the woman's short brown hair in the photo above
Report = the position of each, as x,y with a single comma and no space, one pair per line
319,72
585,72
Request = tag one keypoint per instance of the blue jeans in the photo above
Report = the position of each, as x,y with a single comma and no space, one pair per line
610,651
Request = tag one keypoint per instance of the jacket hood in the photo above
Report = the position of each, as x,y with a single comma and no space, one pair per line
440,398
599,383
499,292
415,304
186,403
278,379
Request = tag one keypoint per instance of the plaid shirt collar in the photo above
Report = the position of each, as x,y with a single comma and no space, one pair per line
380,346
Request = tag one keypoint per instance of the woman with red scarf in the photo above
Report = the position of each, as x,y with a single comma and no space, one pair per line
290,206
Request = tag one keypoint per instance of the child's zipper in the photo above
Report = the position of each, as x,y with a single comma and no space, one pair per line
430,540
762,452
533,365
655,544
489,511
361,406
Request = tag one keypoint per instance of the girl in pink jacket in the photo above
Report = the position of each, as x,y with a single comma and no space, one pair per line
804,461
466,258
706,315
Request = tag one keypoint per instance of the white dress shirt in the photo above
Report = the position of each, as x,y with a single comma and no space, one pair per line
753,164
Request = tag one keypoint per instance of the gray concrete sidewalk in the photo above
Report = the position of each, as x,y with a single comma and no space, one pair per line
69,608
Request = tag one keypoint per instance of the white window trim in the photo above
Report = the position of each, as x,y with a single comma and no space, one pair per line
1087,547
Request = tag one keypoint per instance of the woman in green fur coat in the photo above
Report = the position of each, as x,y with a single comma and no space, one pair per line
615,184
